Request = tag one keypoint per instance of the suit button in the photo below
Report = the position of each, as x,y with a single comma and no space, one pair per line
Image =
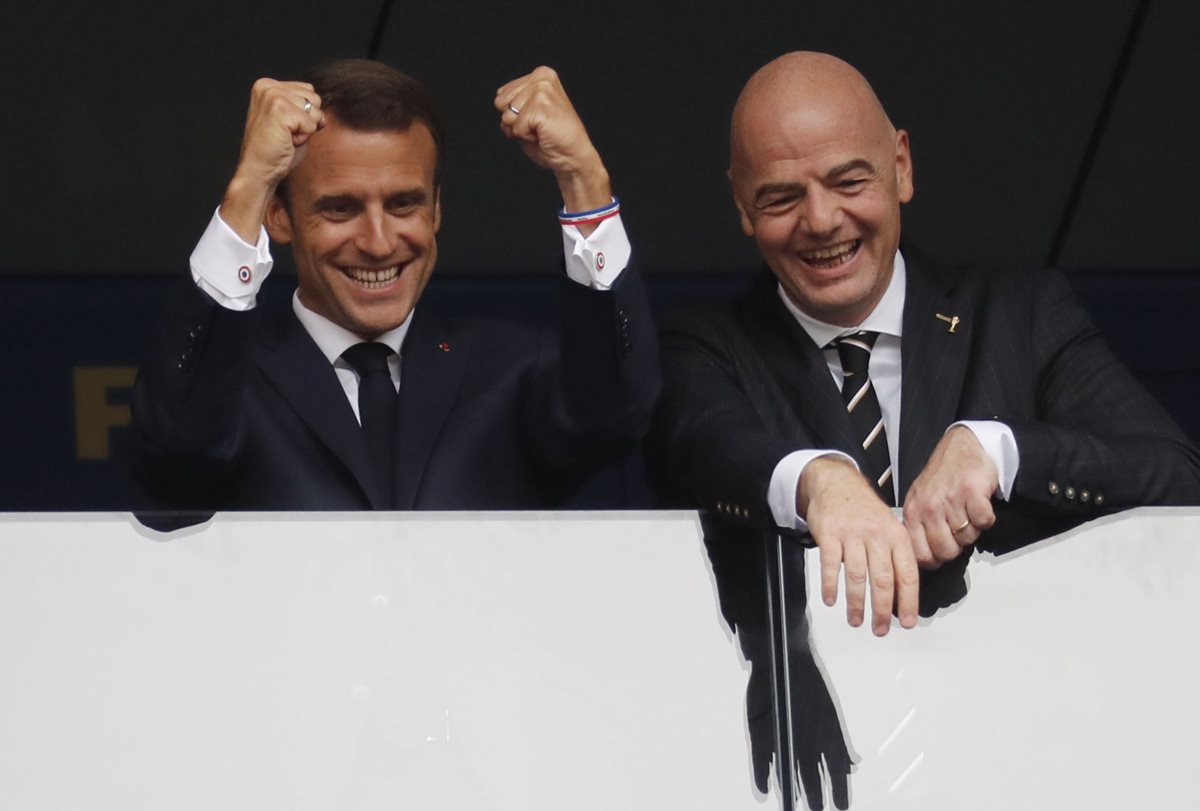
1053,488
1085,496
1099,499
1069,493
720,507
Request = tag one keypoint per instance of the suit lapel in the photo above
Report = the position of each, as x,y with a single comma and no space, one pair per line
305,378
933,362
801,370
432,368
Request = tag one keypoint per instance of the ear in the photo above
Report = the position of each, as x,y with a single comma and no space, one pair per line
437,209
904,167
278,221
747,224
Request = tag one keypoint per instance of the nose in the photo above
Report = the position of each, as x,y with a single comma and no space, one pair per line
374,237
822,213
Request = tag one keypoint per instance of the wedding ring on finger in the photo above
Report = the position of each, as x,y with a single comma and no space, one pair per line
966,523
307,106
513,110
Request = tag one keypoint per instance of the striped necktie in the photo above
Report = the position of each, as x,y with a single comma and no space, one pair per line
858,394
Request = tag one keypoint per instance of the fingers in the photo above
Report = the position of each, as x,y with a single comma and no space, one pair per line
855,561
831,567
535,111
883,586
880,570
939,532
281,118
908,583
920,547
294,102
854,530
517,92
949,504
524,101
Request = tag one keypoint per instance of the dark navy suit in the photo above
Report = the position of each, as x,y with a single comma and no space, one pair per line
240,410
742,389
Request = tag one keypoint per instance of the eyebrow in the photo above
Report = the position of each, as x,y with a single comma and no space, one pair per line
330,200
413,197
405,196
768,189
855,165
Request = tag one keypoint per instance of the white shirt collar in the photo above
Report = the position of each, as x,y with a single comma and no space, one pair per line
887,318
333,340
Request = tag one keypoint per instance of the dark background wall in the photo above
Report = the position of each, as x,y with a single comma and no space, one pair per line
1044,132
123,119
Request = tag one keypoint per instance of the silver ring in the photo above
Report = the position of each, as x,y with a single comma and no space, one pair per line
307,106
966,523
513,110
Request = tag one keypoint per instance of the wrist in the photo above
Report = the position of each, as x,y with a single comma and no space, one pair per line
592,217
244,205
585,188
820,475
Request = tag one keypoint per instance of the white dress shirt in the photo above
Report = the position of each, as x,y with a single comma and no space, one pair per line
232,271
887,319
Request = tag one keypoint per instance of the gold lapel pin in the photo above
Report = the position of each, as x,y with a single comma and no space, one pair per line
952,320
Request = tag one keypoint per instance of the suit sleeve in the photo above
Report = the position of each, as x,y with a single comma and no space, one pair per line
712,447
593,402
1100,441
187,420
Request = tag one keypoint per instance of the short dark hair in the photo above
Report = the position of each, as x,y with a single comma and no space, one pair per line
369,96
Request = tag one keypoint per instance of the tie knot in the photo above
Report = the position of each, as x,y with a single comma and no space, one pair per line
368,358
854,351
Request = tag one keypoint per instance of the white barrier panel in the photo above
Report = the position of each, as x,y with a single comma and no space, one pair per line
321,661
562,661
1067,679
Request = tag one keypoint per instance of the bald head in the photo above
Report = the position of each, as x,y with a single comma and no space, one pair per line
818,175
803,87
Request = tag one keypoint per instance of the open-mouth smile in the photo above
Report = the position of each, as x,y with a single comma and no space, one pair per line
832,256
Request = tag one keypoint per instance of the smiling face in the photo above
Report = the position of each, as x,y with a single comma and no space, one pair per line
818,176
362,215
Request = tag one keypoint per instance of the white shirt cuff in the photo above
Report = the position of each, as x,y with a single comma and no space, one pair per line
1000,446
785,480
227,267
597,260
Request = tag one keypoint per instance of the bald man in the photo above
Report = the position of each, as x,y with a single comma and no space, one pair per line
859,375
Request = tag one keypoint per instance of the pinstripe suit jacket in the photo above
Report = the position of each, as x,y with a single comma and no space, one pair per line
743,389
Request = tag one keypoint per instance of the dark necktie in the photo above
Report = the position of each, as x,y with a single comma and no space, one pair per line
859,396
377,401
